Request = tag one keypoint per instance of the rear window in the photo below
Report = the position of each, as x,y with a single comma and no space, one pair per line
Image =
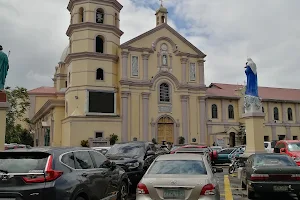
20,162
192,167
273,160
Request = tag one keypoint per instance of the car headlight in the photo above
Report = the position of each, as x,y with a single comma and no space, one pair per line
133,165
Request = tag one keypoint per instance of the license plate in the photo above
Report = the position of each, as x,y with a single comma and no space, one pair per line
173,193
280,188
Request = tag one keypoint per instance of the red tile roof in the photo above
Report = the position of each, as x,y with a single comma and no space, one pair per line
43,90
266,93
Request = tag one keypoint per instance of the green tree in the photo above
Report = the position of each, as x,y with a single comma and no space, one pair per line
18,99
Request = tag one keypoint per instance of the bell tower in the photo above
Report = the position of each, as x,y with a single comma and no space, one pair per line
161,15
94,39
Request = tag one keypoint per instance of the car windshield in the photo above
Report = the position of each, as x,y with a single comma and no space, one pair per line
294,147
273,160
192,167
127,150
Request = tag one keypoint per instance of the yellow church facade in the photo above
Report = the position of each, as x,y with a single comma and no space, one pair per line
152,86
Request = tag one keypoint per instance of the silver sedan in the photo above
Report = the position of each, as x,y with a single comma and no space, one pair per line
179,176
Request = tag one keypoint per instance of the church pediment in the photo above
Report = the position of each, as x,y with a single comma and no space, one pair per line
148,42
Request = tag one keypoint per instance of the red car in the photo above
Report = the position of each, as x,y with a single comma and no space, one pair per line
290,148
213,153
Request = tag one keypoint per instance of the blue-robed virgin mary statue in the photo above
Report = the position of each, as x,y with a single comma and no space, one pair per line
251,73
4,66
252,102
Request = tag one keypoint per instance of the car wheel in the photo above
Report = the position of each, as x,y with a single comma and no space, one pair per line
250,194
123,191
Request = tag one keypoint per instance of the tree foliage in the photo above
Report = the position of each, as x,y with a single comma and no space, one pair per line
18,99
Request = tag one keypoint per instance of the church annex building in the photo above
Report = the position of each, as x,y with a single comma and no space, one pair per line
149,87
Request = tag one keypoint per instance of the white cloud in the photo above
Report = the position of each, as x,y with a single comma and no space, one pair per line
226,31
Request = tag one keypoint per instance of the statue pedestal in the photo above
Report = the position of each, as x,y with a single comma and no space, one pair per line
4,105
254,123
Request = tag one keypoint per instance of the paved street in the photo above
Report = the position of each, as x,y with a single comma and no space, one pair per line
231,190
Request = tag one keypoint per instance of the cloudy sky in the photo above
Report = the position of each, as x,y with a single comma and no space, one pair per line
227,32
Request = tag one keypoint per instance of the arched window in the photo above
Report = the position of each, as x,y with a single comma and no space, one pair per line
262,109
99,44
214,111
99,74
164,92
100,16
230,112
81,15
290,114
116,20
162,19
276,114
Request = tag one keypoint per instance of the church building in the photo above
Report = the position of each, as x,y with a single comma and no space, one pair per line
152,86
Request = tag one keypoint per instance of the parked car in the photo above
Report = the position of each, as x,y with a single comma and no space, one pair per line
60,173
269,173
213,154
217,148
102,150
268,147
15,146
179,176
223,156
134,157
290,148
200,151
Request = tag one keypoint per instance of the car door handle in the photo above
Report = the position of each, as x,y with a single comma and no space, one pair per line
84,174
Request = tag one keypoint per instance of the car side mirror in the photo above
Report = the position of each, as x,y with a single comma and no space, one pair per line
282,150
150,153
217,170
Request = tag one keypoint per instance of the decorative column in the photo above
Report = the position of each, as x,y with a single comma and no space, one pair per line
184,107
297,115
124,64
273,129
209,132
201,71
202,120
288,133
183,69
4,105
145,97
124,97
158,61
145,57
270,112
171,62
284,113
224,110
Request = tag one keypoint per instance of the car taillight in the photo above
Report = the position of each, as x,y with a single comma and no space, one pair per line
208,189
172,152
142,189
295,177
50,174
259,177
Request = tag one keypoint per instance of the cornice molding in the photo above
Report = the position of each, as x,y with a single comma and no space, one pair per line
98,26
84,55
138,49
150,83
51,103
114,3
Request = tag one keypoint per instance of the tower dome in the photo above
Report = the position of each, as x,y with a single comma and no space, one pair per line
65,54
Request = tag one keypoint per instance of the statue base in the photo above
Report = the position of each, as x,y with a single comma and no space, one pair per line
252,104
4,105
3,96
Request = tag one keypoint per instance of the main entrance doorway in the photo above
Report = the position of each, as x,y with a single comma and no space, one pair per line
165,130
